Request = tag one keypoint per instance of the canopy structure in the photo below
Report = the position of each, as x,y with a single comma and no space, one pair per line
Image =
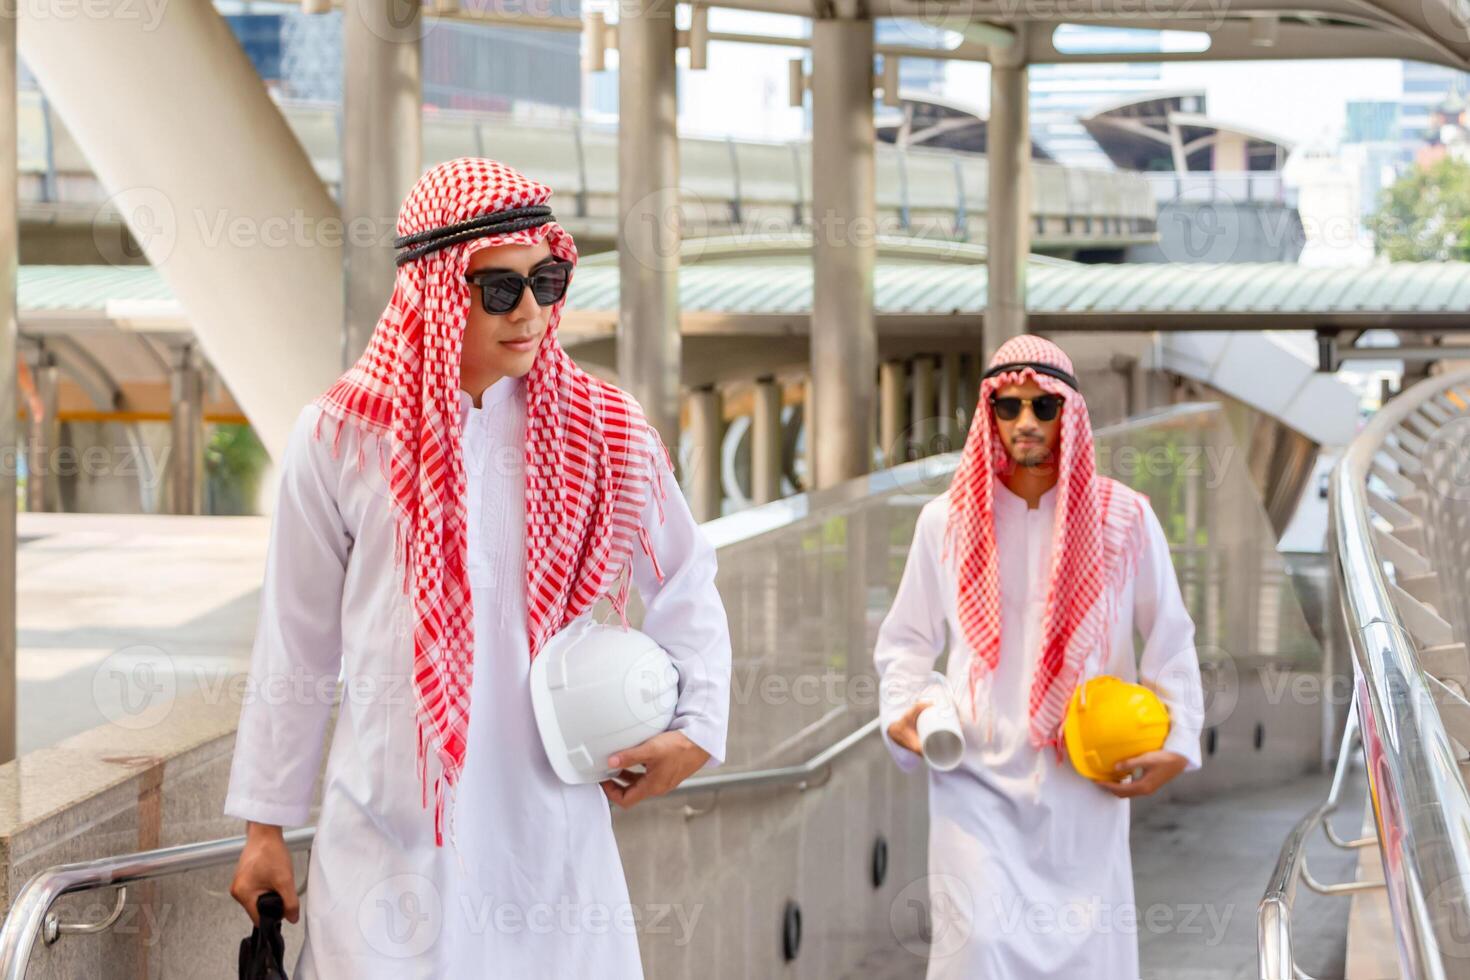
746,306
1436,31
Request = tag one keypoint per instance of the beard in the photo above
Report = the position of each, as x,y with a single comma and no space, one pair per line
1033,456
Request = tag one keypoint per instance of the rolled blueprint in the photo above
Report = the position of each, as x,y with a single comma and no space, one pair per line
939,726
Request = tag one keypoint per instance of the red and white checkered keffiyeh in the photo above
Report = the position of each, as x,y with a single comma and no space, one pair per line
1096,542
591,457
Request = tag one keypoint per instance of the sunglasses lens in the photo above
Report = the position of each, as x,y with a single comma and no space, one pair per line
500,295
549,285
1006,408
1045,408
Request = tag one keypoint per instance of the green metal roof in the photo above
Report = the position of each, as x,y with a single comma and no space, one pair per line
1257,287
774,276
56,288
951,282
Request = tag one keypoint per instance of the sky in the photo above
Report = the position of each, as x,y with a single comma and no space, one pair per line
1303,101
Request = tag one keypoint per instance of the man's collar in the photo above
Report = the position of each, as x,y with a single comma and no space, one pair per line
1007,499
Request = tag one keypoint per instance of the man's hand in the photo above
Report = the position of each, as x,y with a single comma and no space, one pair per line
1158,768
905,731
265,865
668,759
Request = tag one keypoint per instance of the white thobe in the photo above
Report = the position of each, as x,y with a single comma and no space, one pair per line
540,891
1030,876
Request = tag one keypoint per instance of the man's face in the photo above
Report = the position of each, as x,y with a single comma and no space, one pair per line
1029,440
505,344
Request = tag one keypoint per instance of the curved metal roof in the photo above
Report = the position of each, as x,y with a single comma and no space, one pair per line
931,278
1172,131
732,280
1127,103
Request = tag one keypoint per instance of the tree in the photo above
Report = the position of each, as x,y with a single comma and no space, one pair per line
1425,215
234,461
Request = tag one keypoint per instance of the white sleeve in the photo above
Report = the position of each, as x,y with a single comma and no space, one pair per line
683,612
1169,665
912,635
295,661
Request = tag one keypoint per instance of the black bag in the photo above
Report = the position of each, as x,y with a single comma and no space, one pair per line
263,952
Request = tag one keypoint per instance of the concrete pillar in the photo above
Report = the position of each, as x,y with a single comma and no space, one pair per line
9,431
1134,377
43,490
844,334
381,93
1138,399
949,390
969,390
921,410
213,185
648,205
1008,208
706,430
186,431
891,411
1198,557
765,441
873,433
809,424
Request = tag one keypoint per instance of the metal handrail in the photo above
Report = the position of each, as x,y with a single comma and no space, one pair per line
800,773
30,915
1273,915
1421,807
31,909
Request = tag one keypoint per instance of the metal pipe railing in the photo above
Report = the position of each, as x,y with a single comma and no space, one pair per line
799,773
1422,809
1273,915
32,906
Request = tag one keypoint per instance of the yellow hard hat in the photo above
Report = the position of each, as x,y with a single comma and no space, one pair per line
1109,720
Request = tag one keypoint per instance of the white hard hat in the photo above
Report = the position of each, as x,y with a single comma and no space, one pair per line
597,690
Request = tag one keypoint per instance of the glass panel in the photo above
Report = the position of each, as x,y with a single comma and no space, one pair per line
1235,582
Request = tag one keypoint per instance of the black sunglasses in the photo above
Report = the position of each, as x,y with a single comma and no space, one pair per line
1044,407
501,289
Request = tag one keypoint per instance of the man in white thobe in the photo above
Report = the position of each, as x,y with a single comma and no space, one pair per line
1030,875
533,886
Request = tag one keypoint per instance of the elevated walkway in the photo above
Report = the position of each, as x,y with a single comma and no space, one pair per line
726,185
808,814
